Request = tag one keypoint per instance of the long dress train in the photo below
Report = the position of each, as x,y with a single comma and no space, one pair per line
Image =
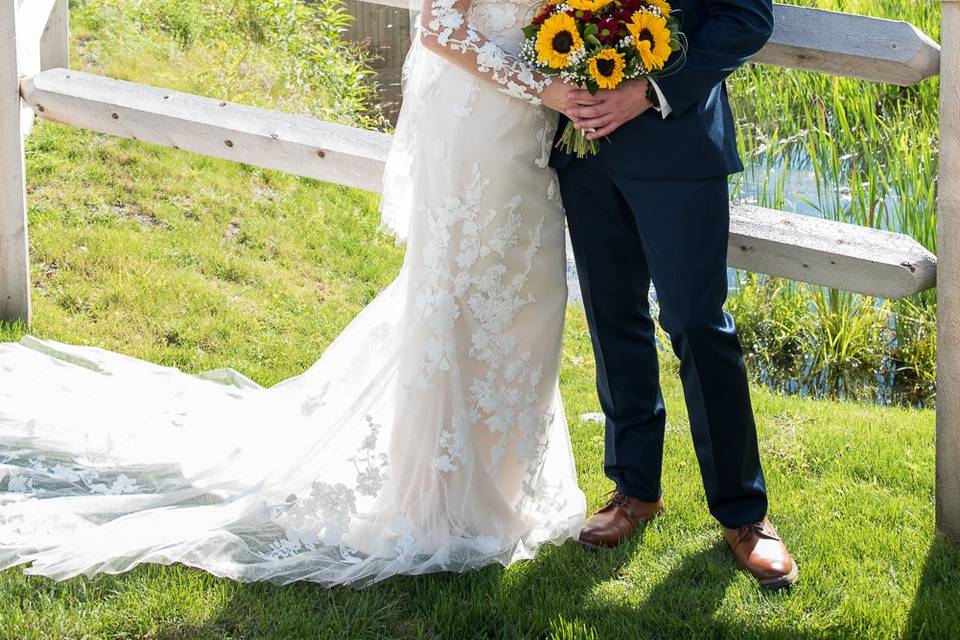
428,436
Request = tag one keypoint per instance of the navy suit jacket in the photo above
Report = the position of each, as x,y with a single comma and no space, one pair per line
698,138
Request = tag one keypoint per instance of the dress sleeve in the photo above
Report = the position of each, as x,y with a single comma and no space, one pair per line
445,30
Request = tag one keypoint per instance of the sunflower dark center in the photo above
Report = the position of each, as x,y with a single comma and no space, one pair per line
646,35
562,42
605,66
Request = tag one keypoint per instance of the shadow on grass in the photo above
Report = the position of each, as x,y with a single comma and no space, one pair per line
682,604
489,603
567,592
936,607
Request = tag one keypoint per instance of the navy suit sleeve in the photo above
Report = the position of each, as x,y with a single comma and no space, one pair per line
733,31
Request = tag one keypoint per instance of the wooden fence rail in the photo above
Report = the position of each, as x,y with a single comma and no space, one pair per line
295,144
843,44
34,79
880,263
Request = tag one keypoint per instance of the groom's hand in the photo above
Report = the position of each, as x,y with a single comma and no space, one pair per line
564,96
616,107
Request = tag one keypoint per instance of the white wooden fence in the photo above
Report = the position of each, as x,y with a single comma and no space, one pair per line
35,80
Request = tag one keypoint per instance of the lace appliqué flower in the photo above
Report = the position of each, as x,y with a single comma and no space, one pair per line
455,32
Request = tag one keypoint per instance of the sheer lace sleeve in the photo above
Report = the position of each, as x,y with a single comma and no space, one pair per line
445,30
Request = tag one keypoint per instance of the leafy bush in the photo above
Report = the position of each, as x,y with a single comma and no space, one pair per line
282,54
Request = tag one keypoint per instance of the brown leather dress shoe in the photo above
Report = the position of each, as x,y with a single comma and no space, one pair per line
758,550
616,520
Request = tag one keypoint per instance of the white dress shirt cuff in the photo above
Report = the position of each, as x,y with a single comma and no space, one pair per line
664,107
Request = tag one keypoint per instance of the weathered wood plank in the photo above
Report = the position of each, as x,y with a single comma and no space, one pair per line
55,41
819,251
842,44
32,17
850,45
400,4
295,144
948,293
14,265
834,254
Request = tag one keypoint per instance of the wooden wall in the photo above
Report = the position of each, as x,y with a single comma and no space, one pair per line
385,31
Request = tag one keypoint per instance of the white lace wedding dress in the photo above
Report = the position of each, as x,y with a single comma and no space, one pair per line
429,436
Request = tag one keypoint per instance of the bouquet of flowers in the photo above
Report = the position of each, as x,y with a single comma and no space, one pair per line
597,44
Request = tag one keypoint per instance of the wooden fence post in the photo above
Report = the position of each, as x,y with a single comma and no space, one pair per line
948,279
14,265
55,43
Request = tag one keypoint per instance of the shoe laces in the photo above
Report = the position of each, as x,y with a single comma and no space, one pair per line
759,529
615,499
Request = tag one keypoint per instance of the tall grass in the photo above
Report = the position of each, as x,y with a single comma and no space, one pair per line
282,54
871,149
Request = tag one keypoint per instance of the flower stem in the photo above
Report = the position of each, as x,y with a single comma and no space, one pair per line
575,141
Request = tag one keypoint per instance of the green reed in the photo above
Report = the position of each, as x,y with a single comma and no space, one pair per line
872,151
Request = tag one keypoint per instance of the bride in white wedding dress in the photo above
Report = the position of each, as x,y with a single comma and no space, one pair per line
429,436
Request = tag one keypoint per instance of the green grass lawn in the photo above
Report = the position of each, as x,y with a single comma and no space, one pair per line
201,263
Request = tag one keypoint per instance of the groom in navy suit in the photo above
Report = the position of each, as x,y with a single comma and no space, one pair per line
653,205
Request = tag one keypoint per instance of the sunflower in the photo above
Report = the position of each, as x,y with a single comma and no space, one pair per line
606,68
556,40
662,5
651,37
589,5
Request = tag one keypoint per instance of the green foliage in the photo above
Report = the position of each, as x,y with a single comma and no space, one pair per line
872,151
282,54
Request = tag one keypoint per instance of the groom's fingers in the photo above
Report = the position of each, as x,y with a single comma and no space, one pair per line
586,113
584,97
593,123
603,131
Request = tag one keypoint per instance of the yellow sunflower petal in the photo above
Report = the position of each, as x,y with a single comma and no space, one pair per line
606,68
557,39
589,5
651,38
